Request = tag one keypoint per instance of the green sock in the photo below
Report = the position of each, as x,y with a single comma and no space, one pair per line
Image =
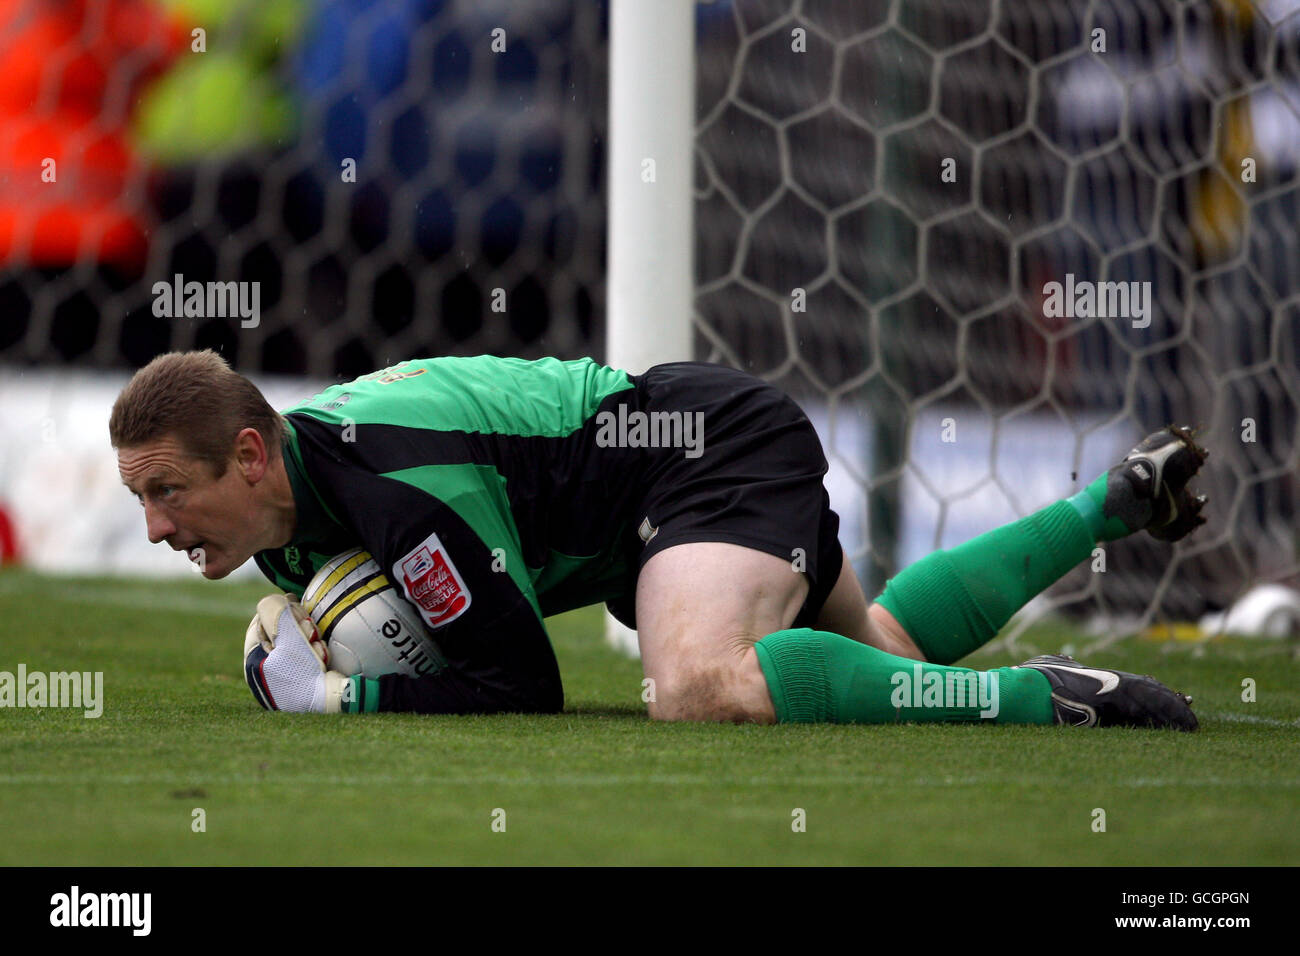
952,602
1117,517
820,677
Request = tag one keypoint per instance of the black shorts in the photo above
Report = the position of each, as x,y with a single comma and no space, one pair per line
755,478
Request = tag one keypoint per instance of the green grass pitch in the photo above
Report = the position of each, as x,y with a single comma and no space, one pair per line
600,783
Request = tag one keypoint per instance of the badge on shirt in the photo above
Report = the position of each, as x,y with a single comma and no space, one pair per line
432,583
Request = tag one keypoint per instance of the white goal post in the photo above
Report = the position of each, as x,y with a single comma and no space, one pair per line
651,237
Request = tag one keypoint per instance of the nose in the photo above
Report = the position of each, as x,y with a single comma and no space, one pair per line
158,525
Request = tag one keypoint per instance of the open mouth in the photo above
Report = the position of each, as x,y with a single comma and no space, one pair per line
196,553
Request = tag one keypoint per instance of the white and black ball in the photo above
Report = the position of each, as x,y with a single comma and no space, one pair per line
368,626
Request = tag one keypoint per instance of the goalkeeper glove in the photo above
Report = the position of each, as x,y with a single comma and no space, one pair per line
285,661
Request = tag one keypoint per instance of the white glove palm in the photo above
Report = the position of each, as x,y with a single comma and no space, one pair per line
285,661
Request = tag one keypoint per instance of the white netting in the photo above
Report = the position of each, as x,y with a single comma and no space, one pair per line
834,256
472,221
1107,141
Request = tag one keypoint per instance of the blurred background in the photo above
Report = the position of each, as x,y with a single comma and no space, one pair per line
388,172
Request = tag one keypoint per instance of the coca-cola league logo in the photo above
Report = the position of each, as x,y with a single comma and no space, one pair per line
433,584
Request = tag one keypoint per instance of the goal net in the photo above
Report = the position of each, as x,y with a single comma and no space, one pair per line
389,179
991,245
988,245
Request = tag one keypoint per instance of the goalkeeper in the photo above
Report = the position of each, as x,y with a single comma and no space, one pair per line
689,499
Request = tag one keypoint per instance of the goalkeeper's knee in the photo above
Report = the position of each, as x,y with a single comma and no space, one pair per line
728,687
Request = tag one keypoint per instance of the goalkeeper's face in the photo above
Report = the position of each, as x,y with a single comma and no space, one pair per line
218,520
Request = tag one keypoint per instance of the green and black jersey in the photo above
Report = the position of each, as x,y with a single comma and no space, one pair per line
497,491
483,475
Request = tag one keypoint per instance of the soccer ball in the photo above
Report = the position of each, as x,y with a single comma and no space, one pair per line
369,628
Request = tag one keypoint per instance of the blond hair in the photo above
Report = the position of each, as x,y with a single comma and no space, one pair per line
198,399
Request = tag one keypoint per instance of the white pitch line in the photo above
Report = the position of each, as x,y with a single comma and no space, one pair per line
598,780
1250,719
131,599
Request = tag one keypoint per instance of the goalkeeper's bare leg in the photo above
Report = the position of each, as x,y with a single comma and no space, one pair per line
689,594
700,608
846,612
704,608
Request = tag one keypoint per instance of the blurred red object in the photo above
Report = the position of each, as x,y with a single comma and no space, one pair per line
8,539
73,70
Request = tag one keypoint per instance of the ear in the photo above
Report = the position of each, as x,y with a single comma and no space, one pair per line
251,456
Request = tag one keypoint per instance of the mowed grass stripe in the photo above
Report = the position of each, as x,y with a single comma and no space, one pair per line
600,782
